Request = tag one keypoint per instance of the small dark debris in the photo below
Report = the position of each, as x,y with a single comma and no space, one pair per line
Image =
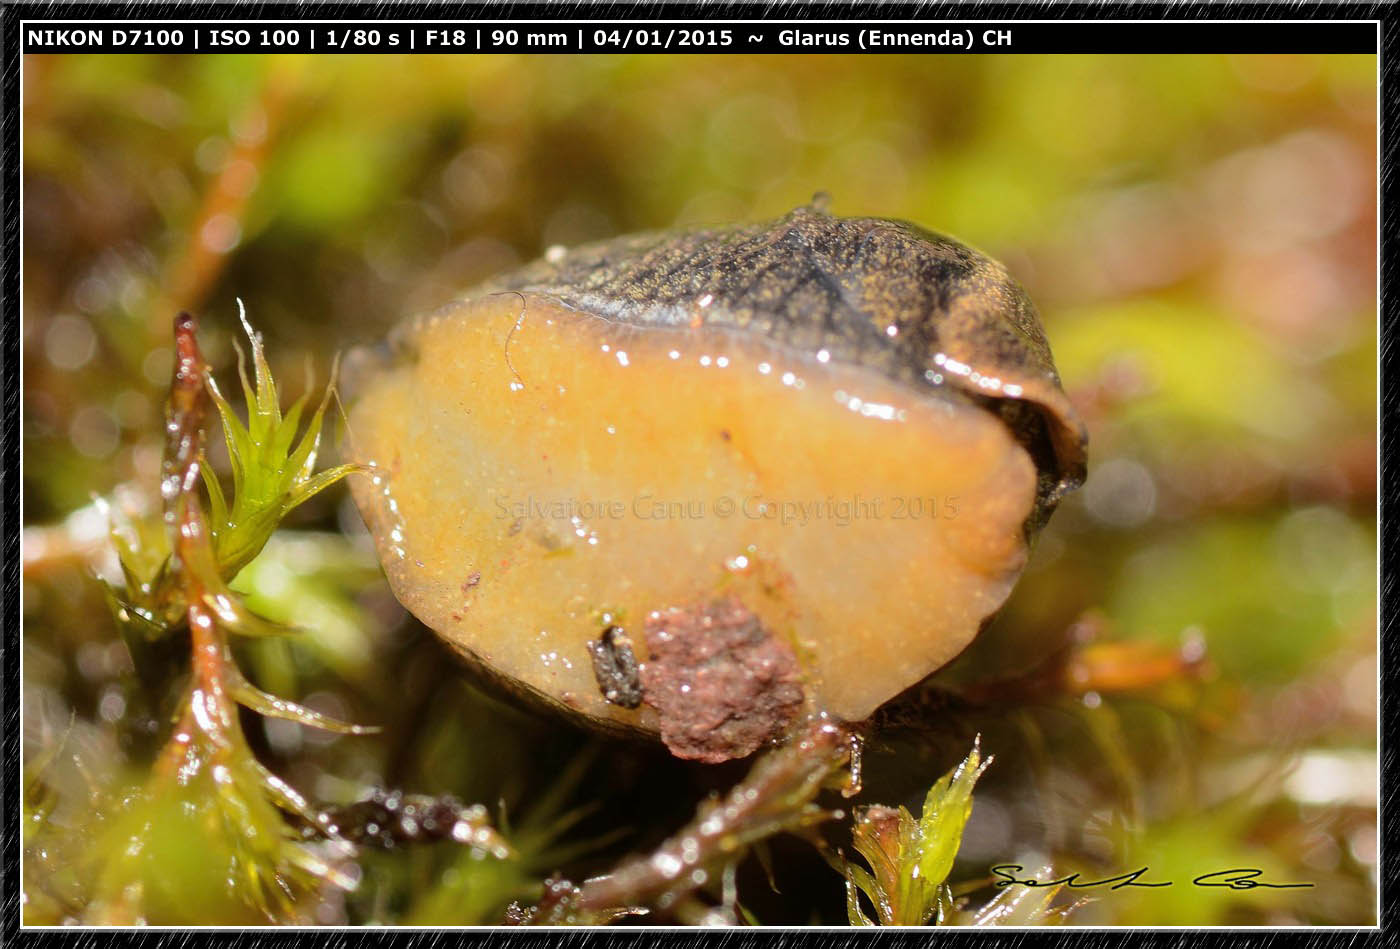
390,819
472,580
615,668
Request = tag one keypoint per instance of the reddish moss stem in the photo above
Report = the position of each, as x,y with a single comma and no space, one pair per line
777,795
221,217
211,713
184,423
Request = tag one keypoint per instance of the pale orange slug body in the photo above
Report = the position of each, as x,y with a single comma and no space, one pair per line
800,464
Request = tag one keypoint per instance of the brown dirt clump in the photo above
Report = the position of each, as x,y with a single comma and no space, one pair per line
720,682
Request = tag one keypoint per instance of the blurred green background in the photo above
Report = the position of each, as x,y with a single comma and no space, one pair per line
1197,231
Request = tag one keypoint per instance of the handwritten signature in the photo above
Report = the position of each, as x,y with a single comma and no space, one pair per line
1239,878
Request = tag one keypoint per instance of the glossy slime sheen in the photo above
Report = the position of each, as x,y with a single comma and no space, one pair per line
800,463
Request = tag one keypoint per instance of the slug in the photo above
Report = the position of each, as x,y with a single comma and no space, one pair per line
699,484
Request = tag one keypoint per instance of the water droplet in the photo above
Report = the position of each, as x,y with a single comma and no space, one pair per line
668,865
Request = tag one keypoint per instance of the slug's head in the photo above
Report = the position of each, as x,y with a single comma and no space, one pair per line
699,484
